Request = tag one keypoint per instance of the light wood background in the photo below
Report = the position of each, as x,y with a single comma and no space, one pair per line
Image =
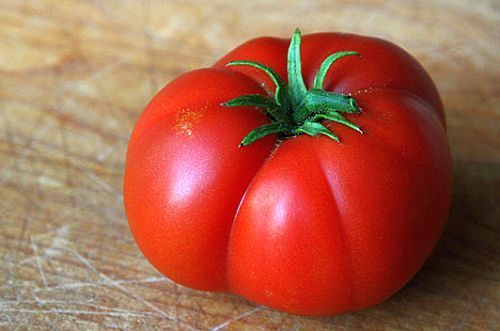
75,75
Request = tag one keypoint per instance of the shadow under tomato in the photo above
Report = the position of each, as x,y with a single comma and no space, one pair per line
470,246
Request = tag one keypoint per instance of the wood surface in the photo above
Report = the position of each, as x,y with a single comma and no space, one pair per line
74,77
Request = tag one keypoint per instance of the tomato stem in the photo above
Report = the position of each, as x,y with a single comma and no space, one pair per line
296,86
294,109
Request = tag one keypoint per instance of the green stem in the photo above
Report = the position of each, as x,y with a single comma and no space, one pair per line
325,66
277,80
294,109
296,84
262,131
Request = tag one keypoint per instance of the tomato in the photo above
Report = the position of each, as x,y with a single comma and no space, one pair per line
232,184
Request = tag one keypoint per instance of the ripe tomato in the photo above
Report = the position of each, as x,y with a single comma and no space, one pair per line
293,219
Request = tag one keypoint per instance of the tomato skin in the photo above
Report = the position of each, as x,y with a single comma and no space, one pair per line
311,226
381,64
185,174
344,226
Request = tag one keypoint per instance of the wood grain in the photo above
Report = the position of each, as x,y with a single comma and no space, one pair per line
75,75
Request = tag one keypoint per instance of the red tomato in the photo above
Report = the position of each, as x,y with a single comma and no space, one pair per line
297,222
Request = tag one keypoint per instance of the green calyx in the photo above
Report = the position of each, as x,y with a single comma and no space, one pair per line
295,110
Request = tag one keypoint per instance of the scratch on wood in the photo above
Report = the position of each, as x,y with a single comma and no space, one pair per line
97,180
40,301
58,242
104,153
234,319
69,181
38,262
79,312
102,282
91,174
49,182
21,323
11,304
114,283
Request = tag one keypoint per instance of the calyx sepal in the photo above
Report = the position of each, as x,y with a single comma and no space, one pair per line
294,110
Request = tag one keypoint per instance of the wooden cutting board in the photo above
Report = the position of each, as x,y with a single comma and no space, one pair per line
74,77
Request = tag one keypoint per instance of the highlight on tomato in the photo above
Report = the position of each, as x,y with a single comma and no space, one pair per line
310,175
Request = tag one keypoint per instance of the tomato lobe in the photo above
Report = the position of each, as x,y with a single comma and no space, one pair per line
305,225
